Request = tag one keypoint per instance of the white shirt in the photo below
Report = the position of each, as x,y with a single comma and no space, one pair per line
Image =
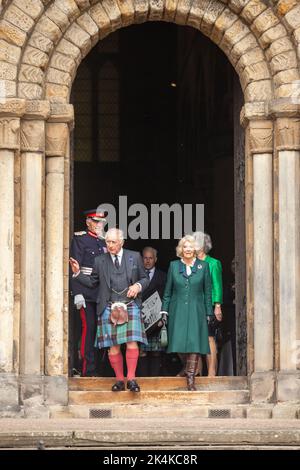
119,255
151,272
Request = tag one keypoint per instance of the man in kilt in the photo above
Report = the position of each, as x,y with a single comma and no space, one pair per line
121,278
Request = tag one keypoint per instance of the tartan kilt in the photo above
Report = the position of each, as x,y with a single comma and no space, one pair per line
109,335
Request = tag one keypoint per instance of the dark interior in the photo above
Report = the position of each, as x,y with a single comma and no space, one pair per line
154,120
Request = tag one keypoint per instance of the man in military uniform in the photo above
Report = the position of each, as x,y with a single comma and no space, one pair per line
85,246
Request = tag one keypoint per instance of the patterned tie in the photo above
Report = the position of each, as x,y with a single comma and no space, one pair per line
117,264
148,273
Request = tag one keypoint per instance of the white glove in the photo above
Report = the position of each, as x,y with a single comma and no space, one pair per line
79,301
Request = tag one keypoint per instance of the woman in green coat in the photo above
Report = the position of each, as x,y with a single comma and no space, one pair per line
187,302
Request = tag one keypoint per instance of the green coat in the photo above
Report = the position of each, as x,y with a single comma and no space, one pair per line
215,268
187,299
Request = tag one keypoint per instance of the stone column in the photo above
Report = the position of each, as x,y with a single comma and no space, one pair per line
9,143
288,139
32,155
261,148
57,135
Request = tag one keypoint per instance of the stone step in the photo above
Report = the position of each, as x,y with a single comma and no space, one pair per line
143,411
217,397
161,383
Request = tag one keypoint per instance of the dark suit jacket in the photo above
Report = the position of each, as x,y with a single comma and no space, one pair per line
101,276
157,283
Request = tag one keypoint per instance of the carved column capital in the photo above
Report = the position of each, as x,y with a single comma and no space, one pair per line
261,136
12,107
61,112
37,109
288,133
56,139
9,133
32,135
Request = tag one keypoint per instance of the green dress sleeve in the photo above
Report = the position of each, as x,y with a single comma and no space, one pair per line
168,290
207,291
217,286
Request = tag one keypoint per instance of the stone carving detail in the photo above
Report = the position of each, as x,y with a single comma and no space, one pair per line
261,136
156,9
9,133
288,131
31,91
37,109
101,18
32,136
12,107
19,18
31,74
35,57
79,37
210,16
56,139
39,41
7,71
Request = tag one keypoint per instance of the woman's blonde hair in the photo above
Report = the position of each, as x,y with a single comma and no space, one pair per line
179,247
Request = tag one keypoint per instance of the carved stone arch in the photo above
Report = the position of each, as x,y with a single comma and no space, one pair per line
32,29
245,30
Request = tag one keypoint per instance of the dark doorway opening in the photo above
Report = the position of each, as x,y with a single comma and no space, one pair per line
156,109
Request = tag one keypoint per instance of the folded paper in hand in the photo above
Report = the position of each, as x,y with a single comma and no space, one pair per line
151,309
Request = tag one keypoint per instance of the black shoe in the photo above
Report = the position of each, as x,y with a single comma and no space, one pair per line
119,386
133,386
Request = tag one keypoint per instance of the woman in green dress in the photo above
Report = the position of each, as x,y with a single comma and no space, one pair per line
187,302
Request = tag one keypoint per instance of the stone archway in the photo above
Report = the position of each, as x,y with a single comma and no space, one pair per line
42,44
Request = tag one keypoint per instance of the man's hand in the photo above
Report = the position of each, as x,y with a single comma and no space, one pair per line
74,265
79,301
133,291
218,312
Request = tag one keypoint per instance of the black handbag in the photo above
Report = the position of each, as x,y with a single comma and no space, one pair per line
155,328
215,328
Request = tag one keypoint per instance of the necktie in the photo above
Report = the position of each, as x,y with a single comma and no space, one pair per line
148,273
117,264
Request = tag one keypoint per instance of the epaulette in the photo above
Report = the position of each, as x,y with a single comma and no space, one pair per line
83,232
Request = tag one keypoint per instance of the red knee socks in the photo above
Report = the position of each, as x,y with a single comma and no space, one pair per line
116,361
132,356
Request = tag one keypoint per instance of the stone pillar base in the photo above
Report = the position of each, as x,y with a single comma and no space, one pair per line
56,390
32,396
9,396
38,392
262,387
288,386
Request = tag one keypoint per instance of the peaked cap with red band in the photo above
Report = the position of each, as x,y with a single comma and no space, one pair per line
96,214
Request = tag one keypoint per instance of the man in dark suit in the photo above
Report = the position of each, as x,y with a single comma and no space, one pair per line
151,354
121,278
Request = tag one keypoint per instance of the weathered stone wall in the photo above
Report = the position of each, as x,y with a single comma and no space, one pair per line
42,42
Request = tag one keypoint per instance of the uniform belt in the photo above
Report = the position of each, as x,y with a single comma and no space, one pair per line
86,270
